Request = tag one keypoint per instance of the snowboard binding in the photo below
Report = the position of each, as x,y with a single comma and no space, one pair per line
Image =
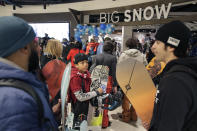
113,100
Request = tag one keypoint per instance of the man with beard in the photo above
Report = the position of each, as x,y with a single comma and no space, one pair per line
175,106
18,59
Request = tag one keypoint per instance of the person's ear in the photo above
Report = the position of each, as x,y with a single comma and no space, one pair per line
24,50
171,49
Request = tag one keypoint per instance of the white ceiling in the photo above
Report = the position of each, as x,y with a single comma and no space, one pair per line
81,6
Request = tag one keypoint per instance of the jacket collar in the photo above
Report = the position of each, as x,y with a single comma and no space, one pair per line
10,63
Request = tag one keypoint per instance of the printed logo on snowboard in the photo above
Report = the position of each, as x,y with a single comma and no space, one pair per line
102,73
156,97
99,77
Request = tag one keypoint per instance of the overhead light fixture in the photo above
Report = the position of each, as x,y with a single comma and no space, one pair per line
45,6
14,7
2,3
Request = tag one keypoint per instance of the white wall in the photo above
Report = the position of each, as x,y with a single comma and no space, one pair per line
81,6
5,11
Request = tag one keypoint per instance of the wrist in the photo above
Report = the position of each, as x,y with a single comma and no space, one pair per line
97,93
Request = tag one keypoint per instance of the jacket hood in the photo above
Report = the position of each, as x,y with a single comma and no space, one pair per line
75,73
8,71
132,52
190,62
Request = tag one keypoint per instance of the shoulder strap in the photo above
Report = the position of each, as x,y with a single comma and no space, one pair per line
14,83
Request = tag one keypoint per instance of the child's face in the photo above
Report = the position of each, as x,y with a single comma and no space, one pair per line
82,66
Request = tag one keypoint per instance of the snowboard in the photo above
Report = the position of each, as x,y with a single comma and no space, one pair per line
67,123
64,88
137,85
99,77
53,73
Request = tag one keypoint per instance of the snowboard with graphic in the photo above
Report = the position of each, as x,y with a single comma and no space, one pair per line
99,77
137,85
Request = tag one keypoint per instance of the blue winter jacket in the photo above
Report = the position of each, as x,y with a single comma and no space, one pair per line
18,110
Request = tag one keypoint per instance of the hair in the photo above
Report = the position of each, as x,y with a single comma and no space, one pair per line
77,45
107,39
72,39
54,48
108,47
179,52
64,40
80,57
92,40
132,43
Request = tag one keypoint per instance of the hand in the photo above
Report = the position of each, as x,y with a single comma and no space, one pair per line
100,90
57,108
146,125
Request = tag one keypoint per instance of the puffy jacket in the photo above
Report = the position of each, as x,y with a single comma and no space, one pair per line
76,82
133,53
19,111
91,45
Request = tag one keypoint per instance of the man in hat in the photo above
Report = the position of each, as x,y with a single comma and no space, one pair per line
176,98
18,58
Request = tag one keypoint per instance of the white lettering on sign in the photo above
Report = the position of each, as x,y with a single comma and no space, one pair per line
127,16
146,17
103,16
114,18
138,14
147,13
163,10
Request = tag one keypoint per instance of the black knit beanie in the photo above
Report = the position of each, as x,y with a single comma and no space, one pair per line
174,33
80,57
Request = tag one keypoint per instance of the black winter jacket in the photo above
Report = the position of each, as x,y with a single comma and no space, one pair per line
107,60
176,98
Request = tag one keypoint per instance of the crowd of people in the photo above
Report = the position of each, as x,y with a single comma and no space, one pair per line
39,67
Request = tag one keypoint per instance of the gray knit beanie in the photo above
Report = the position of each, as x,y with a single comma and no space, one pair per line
15,33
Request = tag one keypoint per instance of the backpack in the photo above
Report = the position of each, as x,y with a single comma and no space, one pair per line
14,83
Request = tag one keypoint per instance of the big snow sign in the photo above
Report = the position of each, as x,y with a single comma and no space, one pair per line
140,14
